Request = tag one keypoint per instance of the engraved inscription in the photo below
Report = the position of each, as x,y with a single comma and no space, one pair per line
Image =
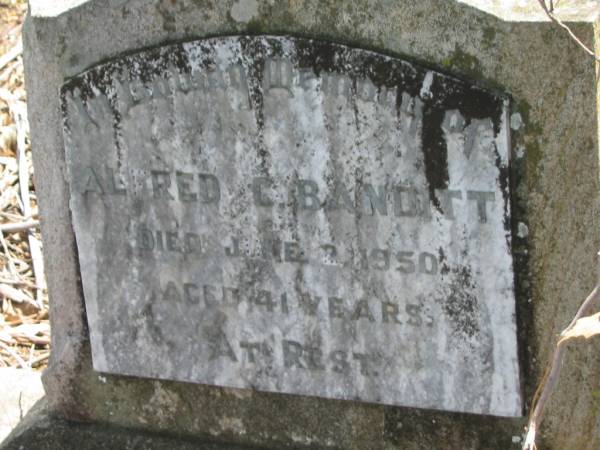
295,216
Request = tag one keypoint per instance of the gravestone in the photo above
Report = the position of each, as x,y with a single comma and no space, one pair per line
320,224
295,216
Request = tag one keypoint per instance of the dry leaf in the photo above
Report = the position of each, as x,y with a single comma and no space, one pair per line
586,327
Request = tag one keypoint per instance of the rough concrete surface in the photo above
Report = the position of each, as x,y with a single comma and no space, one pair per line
41,430
553,172
19,390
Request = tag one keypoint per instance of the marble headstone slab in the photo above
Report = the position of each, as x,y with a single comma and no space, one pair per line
295,216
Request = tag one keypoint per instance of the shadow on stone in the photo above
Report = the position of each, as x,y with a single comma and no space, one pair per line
41,430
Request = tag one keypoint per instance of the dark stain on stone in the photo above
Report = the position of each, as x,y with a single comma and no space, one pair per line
450,94
255,75
444,267
430,428
435,152
447,93
521,250
150,320
504,179
461,305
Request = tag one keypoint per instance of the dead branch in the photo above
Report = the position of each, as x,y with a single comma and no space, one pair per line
39,359
549,10
551,375
11,54
14,354
11,263
19,226
15,295
24,283
18,112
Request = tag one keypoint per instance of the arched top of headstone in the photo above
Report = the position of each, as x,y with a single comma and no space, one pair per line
254,65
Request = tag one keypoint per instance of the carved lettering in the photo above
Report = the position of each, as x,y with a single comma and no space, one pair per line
307,195
375,199
220,347
259,186
263,211
481,198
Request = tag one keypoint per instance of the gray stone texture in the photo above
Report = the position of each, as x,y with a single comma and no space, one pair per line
554,174
21,389
40,429
295,216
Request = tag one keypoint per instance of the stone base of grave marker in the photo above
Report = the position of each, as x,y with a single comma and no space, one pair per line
549,164
42,430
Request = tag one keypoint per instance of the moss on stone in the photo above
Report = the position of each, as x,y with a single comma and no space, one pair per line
464,62
424,430
489,36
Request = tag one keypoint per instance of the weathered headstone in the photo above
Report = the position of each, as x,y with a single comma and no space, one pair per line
295,216
310,224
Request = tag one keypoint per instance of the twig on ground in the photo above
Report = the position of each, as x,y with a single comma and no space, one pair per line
20,283
11,264
16,217
39,359
15,295
31,349
35,249
18,112
7,338
7,97
11,54
19,226
14,354
6,73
